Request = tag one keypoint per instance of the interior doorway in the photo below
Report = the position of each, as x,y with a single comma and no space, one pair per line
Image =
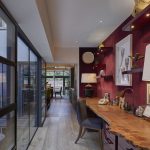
59,79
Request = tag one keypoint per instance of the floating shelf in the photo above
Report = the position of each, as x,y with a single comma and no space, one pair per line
106,77
139,21
100,66
104,50
134,70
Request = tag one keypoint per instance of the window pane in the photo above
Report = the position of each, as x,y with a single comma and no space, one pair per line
50,73
7,37
43,92
59,73
33,93
23,96
7,85
7,131
66,73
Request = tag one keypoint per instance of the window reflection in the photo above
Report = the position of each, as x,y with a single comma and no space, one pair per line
23,137
33,93
7,37
7,131
27,95
6,85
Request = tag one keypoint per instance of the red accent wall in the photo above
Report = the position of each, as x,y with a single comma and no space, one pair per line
85,68
140,39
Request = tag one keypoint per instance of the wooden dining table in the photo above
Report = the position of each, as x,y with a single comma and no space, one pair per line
133,129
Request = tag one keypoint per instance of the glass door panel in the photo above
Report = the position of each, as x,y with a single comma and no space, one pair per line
7,82
33,93
58,83
43,92
23,137
7,132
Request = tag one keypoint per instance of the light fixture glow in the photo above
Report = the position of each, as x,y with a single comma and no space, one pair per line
100,21
148,15
132,27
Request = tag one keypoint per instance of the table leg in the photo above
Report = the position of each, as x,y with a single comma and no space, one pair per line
116,142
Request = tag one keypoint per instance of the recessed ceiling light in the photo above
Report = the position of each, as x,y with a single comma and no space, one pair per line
77,41
148,15
132,27
100,21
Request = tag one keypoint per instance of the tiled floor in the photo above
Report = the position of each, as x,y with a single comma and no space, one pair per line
61,129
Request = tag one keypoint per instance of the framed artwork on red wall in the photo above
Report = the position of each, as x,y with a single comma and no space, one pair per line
148,93
123,61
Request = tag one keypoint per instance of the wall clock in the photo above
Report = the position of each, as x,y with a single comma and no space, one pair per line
88,57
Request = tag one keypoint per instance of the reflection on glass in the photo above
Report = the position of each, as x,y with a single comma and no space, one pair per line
43,91
7,37
6,85
58,79
22,97
33,93
7,131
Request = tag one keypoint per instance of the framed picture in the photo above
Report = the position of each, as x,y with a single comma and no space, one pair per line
123,61
146,112
148,93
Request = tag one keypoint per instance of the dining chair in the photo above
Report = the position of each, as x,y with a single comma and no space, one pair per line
86,123
58,91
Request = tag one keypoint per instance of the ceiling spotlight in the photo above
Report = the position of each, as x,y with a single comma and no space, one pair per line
77,41
132,27
148,15
100,21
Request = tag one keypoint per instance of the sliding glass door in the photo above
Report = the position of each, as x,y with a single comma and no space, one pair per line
27,95
7,83
23,130
33,93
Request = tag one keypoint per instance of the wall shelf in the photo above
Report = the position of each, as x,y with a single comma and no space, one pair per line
104,50
100,66
101,53
139,21
133,70
106,77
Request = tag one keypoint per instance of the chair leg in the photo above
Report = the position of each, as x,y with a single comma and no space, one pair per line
84,130
79,135
101,139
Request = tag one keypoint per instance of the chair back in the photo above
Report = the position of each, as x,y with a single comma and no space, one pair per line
81,111
60,89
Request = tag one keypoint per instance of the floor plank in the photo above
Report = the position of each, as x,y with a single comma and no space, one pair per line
62,129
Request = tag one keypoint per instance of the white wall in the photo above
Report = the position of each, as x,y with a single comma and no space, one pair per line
68,56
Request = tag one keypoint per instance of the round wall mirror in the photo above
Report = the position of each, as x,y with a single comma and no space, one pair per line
88,57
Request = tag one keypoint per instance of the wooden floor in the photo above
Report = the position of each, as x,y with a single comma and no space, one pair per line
61,129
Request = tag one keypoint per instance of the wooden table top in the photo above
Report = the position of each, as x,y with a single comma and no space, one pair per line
134,129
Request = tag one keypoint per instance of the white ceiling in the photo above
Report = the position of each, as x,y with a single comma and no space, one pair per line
27,15
60,23
79,20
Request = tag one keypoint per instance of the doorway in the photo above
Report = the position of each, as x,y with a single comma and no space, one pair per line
58,79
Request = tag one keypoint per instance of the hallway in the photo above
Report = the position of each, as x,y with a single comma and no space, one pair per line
61,129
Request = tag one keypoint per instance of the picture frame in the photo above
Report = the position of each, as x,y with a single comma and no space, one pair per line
146,112
148,93
123,61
